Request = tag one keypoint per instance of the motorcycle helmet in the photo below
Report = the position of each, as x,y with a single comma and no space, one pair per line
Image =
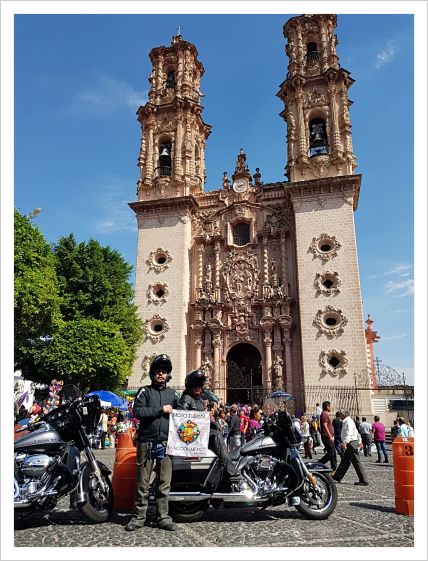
161,361
195,378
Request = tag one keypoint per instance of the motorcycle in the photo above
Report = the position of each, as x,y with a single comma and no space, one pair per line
95,438
48,461
271,472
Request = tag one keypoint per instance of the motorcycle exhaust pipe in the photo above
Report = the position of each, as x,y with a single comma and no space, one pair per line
189,495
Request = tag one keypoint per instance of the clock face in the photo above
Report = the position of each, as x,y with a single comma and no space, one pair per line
240,185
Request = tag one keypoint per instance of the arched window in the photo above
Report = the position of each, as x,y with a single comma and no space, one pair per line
164,162
318,142
170,79
241,233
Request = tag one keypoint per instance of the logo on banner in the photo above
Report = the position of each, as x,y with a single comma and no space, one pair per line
188,433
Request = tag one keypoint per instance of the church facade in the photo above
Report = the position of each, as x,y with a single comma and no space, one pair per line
257,283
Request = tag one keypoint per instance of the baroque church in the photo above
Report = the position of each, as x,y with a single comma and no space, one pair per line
257,283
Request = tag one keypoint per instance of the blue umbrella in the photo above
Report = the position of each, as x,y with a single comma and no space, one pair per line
110,399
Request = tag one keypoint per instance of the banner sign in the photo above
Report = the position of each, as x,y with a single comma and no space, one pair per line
188,433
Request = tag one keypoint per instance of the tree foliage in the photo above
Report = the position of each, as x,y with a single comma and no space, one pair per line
36,297
88,352
94,284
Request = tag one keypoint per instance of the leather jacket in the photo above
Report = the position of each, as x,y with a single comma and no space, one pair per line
148,408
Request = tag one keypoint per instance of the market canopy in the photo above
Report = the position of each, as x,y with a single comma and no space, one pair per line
110,399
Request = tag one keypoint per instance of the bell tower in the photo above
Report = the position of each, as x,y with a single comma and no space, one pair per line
316,100
172,152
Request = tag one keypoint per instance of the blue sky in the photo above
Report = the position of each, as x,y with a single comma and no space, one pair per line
79,80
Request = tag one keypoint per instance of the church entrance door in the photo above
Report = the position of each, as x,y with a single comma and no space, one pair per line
244,375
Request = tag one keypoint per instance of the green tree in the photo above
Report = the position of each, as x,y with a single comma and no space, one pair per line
36,297
94,283
88,352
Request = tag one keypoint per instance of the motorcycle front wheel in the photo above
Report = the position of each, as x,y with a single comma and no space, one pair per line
99,506
317,503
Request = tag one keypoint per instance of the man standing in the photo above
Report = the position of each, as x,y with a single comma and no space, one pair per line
365,430
350,445
234,429
103,422
337,428
378,429
243,424
153,405
327,436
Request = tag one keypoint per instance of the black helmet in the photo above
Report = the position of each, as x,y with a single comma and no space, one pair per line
195,378
161,361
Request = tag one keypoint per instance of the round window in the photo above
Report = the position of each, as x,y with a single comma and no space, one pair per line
160,292
331,319
157,327
160,258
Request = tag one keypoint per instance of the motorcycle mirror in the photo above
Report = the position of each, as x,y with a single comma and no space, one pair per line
69,392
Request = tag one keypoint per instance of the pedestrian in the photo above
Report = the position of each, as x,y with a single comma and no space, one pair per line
112,429
315,434
378,430
318,412
366,436
337,429
153,406
403,428
243,420
254,423
306,437
103,422
394,429
234,428
357,421
327,436
222,424
350,446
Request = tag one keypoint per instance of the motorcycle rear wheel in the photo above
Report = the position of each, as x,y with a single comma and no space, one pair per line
318,506
188,512
97,509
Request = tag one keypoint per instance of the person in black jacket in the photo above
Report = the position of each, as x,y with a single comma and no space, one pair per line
192,400
152,406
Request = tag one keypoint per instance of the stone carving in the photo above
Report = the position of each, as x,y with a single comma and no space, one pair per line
207,367
327,283
241,273
333,362
157,293
315,97
325,247
277,373
159,260
207,225
155,328
276,219
330,321
145,365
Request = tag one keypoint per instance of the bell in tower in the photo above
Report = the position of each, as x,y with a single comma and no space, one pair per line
172,152
315,95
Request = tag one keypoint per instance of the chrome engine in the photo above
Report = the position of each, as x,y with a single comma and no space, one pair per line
33,478
262,471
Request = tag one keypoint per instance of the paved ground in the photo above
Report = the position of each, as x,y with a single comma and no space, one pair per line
364,517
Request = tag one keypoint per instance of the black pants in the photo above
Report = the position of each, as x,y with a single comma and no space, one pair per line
217,445
330,454
351,456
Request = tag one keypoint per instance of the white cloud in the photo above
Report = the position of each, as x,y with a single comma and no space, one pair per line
394,337
400,289
108,94
113,210
386,56
402,270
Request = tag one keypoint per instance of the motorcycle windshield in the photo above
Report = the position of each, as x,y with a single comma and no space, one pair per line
278,401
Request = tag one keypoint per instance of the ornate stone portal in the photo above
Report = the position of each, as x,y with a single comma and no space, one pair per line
233,279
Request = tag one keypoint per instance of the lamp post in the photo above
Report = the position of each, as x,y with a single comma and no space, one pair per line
35,212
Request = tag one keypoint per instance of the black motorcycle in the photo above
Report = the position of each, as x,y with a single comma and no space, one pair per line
48,461
271,473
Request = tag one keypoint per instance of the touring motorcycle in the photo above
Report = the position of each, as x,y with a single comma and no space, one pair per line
271,472
48,460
